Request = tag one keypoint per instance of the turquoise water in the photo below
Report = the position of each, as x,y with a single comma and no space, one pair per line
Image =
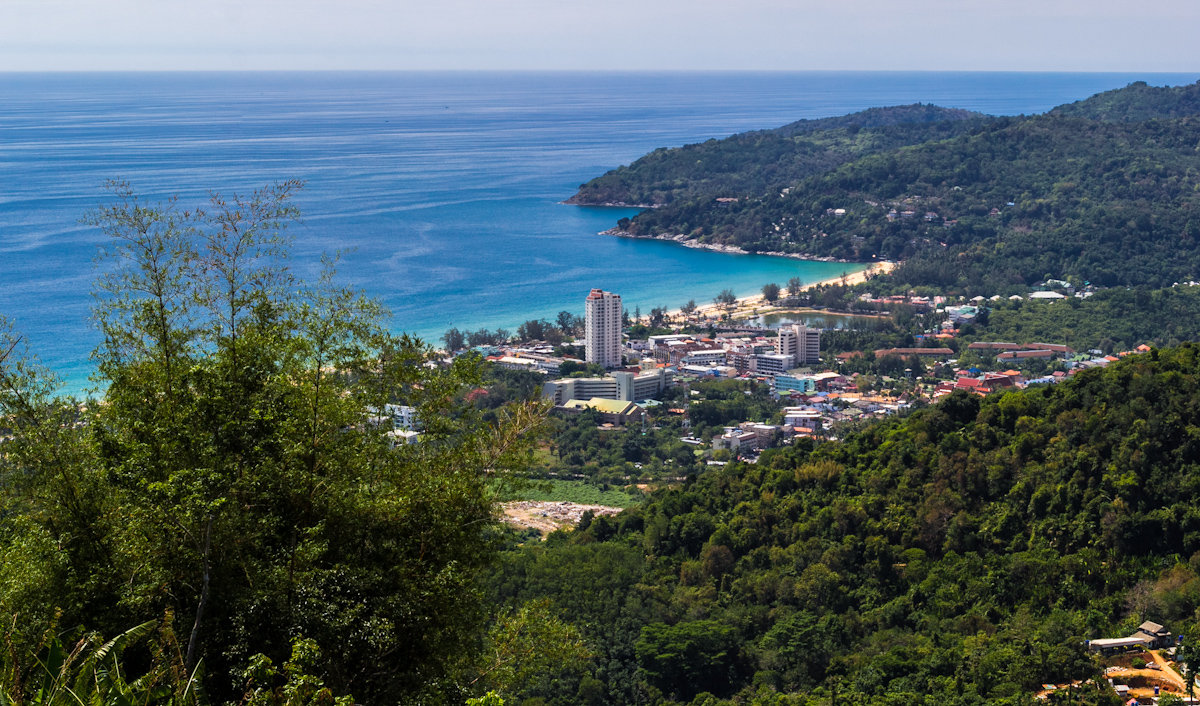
442,188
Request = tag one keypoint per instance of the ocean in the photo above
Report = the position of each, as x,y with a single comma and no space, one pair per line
441,190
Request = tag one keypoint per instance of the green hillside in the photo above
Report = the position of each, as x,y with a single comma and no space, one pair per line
753,162
961,555
1136,102
1102,190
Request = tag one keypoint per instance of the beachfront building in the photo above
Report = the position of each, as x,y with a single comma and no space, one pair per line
602,328
800,342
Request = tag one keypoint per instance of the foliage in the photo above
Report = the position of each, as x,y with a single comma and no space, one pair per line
539,330
959,555
1097,192
94,672
529,648
232,473
456,340
299,688
1111,320
768,160
1136,102
572,368
770,292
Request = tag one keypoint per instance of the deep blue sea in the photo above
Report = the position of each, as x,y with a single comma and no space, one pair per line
442,189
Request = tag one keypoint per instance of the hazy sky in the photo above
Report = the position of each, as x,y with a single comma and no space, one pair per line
1069,35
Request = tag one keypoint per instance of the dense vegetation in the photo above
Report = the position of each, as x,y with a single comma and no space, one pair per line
1112,320
1136,102
960,555
749,164
1100,190
232,488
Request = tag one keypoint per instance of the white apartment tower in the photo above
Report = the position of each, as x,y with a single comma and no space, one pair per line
800,342
602,328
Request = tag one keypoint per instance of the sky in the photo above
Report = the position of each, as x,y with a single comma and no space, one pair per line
639,35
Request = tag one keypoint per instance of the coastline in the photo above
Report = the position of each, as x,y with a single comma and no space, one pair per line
755,304
682,239
608,204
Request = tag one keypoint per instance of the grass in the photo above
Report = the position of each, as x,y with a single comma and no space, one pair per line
574,491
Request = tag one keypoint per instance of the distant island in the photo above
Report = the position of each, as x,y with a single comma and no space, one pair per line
1101,190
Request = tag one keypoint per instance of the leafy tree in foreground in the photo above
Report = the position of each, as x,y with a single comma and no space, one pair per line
234,475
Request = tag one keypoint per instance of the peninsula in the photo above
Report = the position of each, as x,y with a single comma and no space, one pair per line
1099,190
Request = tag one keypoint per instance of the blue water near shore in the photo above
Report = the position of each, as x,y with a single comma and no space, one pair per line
442,189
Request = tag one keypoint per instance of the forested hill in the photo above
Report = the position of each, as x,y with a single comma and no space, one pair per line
914,114
1097,190
1136,102
752,163
961,555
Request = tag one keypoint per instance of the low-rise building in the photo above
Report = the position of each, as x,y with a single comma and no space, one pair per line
771,363
711,356
801,417
787,383
611,411
1149,635
621,385
736,440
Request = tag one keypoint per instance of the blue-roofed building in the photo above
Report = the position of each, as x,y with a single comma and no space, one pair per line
785,383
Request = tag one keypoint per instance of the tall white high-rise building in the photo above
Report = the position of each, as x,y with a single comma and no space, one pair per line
800,342
602,328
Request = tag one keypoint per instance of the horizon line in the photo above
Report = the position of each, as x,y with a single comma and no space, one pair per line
588,71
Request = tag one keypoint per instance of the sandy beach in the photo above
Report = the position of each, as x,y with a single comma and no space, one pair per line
755,304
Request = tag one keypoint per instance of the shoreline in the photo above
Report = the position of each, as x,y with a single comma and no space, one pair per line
609,204
682,239
754,304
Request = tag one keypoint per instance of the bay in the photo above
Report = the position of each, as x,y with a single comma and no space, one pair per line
441,190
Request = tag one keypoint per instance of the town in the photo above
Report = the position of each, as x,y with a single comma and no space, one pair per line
627,379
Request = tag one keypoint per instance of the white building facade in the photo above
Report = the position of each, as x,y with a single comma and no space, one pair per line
602,328
800,342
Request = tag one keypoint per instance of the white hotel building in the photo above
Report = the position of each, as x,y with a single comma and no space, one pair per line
602,328
800,342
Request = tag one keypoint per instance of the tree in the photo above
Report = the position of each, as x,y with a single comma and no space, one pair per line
454,340
726,297
658,316
770,292
234,475
533,330
689,657
529,644
567,322
795,286
689,308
